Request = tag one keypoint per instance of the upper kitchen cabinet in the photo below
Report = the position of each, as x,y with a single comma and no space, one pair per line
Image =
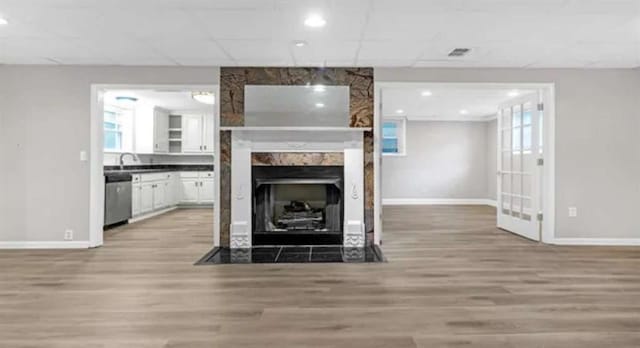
152,130
197,133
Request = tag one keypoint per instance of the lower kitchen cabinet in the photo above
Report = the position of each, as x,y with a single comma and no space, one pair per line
156,191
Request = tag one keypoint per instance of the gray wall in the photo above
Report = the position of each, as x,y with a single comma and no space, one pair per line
491,133
44,124
44,119
597,142
445,160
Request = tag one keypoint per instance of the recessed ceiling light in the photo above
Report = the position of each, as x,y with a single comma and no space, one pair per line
513,93
315,21
204,97
319,88
399,111
319,105
427,93
464,112
3,21
299,43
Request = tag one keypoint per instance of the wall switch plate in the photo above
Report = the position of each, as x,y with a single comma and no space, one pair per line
573,212
84,156
68,235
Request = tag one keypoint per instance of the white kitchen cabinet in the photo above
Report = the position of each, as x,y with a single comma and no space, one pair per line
190,190
197,133
135,199
197,187
151,130
146,197
206,191
159,199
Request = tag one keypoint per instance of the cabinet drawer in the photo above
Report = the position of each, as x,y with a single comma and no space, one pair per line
189,175
153,177
135,178
206,175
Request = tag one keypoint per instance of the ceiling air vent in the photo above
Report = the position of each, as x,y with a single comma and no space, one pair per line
459,52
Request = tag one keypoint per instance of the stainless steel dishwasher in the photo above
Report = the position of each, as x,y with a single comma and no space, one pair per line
117,198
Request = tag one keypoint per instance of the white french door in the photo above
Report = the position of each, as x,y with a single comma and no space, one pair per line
519,160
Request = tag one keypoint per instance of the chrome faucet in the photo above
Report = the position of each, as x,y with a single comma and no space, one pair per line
133,156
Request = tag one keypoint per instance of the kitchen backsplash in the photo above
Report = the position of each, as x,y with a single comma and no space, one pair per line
114,159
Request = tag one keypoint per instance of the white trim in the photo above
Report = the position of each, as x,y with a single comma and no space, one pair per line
96,153
597,241
438,201
377,170
549,97
152,214
46,245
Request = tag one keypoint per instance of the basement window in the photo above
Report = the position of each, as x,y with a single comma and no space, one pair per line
394,137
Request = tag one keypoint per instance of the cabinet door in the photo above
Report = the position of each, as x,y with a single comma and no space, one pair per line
190,188
192,133
169,195
159,200
146,198
206,191
161,131
135,199
207,134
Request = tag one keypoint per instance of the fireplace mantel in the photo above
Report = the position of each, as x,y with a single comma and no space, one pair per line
246,142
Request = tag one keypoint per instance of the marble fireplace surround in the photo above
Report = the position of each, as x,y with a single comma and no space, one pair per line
361,121
296,147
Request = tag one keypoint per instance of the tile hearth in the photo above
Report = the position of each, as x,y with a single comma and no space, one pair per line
293,254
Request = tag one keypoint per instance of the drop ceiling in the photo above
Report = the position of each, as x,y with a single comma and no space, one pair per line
381,33
445,103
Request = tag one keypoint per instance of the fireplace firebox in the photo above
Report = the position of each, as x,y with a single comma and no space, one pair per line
298,205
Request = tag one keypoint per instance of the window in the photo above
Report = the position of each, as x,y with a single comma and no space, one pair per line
118,126
393,137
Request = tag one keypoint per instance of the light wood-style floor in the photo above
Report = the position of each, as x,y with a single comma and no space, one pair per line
452,280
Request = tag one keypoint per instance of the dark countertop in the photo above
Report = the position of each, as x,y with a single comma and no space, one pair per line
157,168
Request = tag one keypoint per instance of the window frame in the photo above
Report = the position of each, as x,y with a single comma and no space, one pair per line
401,136
117,109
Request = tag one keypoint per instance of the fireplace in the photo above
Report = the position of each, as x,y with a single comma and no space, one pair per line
297,205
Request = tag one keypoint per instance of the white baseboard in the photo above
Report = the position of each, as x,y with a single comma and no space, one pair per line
438,201
597,241
151,214
45,245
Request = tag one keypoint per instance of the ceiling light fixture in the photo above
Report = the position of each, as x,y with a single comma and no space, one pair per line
464,112
204,97
319,88
513,93
427,93
3,21
126,100
299,43
319,105
315,21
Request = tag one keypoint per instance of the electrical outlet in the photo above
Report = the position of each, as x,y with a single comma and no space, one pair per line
68,235
573,212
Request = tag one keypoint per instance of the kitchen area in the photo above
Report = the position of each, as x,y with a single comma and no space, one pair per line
158,153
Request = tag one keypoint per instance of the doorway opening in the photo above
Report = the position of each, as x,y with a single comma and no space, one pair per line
152,160
471,144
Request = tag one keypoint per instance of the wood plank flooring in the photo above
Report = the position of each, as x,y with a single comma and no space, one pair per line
452,280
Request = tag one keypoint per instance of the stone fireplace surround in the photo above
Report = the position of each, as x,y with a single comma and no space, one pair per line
296,147
232,129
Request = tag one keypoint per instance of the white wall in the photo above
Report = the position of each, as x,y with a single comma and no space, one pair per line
597,142
445,160
44,118
112,159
